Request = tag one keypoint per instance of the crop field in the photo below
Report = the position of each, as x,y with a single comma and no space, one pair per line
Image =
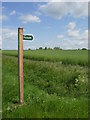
55,84
73,57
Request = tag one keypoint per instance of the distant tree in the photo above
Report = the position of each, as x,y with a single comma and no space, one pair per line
40,48
0,48
45,48
57,48
84,49
60,49
49,48
29,48
78,48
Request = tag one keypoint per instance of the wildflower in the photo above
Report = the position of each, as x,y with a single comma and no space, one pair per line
76,80
8,108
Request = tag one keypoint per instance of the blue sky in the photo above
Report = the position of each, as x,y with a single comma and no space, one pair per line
53,24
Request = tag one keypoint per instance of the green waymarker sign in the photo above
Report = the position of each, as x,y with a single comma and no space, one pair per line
28,37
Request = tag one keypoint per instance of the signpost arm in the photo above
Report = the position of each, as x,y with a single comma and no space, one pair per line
20,65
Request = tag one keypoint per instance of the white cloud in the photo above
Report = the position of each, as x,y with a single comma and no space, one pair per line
54,9
9,38
0,41
13,12
60,9
79,9
71,25
85,35
73,33
74,38
3,17
77,34
9,34
60,36
29,18
37,13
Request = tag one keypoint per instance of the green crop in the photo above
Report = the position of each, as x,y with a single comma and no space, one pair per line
53,87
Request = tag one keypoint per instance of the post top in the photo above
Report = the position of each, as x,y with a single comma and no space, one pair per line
20,28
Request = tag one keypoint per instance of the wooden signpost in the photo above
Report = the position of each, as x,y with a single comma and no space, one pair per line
21,37
20,65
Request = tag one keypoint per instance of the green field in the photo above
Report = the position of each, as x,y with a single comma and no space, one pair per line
73,57
55,84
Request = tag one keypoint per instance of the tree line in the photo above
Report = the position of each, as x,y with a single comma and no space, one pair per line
55,48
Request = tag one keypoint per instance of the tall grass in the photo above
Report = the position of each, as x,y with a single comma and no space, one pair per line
73,57
51,90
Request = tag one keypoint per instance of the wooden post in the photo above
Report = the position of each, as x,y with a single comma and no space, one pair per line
20,65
